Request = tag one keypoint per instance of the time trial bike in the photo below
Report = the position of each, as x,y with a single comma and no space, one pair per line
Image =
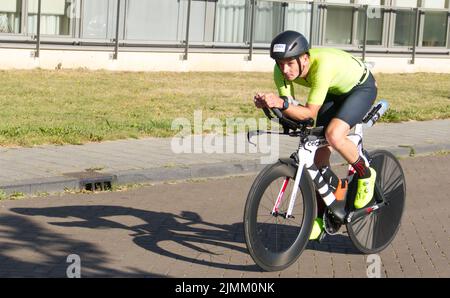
281,205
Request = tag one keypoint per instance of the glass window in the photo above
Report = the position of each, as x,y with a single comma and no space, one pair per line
339,25
339,1
98,19
370,2
56,16
153,20
230,20
298,18
434,29
404,28
269,21
10,16
198,20
433,3
374,26
406,3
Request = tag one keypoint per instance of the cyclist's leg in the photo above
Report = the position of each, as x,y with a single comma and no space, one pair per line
322,159
358,102
354,107
336,135
326,113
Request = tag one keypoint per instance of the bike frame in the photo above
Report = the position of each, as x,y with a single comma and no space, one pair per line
306,153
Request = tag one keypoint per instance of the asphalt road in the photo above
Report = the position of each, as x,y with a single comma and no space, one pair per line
194,229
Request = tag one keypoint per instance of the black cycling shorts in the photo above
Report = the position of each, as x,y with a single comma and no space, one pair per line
350,107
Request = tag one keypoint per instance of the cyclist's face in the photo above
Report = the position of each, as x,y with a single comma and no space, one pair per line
290,68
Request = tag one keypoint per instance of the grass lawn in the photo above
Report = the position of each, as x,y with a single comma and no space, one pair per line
78,106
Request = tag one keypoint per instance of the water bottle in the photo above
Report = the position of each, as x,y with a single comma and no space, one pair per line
376,112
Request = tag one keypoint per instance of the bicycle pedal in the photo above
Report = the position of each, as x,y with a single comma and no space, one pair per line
330,225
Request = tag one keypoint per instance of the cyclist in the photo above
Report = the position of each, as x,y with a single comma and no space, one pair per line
342,91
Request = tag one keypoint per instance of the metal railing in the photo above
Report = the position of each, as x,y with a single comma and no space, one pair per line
315,8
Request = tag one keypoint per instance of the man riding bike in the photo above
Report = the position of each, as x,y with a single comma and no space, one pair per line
342,91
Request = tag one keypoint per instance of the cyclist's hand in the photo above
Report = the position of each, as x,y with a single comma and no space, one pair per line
270,100
258,100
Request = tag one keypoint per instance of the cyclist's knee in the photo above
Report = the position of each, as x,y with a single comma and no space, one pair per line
334,138
336,134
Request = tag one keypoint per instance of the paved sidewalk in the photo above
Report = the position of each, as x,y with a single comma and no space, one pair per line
55,168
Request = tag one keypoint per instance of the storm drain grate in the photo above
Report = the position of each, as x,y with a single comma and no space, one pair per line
96,186
93,181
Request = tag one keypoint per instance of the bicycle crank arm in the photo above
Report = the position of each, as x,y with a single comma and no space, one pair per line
364,211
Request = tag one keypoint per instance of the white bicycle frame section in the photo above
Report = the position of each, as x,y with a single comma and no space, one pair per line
306,153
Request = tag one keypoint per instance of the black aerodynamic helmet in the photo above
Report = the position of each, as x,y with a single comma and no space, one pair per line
288,44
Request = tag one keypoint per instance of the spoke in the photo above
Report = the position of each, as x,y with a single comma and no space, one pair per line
392,185
292,221
359,224
369,230
270,210
276,233
274,196
385,168
389,168
376,230
397,192
267,197
261,223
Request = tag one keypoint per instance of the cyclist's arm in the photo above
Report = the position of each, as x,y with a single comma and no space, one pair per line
321,80
311,109
295,111
302,112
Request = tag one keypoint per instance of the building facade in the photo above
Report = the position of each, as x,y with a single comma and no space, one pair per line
412,29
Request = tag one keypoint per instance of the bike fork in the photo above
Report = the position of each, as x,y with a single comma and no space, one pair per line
275,210
288,214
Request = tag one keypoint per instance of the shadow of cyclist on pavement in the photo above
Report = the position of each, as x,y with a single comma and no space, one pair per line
190,238
203,243
29,249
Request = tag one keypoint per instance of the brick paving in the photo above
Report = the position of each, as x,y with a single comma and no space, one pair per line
195,230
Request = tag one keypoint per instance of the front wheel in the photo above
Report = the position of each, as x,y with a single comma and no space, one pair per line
374,232
274,241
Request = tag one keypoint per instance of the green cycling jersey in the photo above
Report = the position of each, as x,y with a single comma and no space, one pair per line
331,71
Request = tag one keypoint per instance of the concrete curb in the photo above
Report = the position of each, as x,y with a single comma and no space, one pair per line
196,171
41,185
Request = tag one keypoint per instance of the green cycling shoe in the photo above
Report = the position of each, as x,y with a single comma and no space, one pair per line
365,190
317,232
